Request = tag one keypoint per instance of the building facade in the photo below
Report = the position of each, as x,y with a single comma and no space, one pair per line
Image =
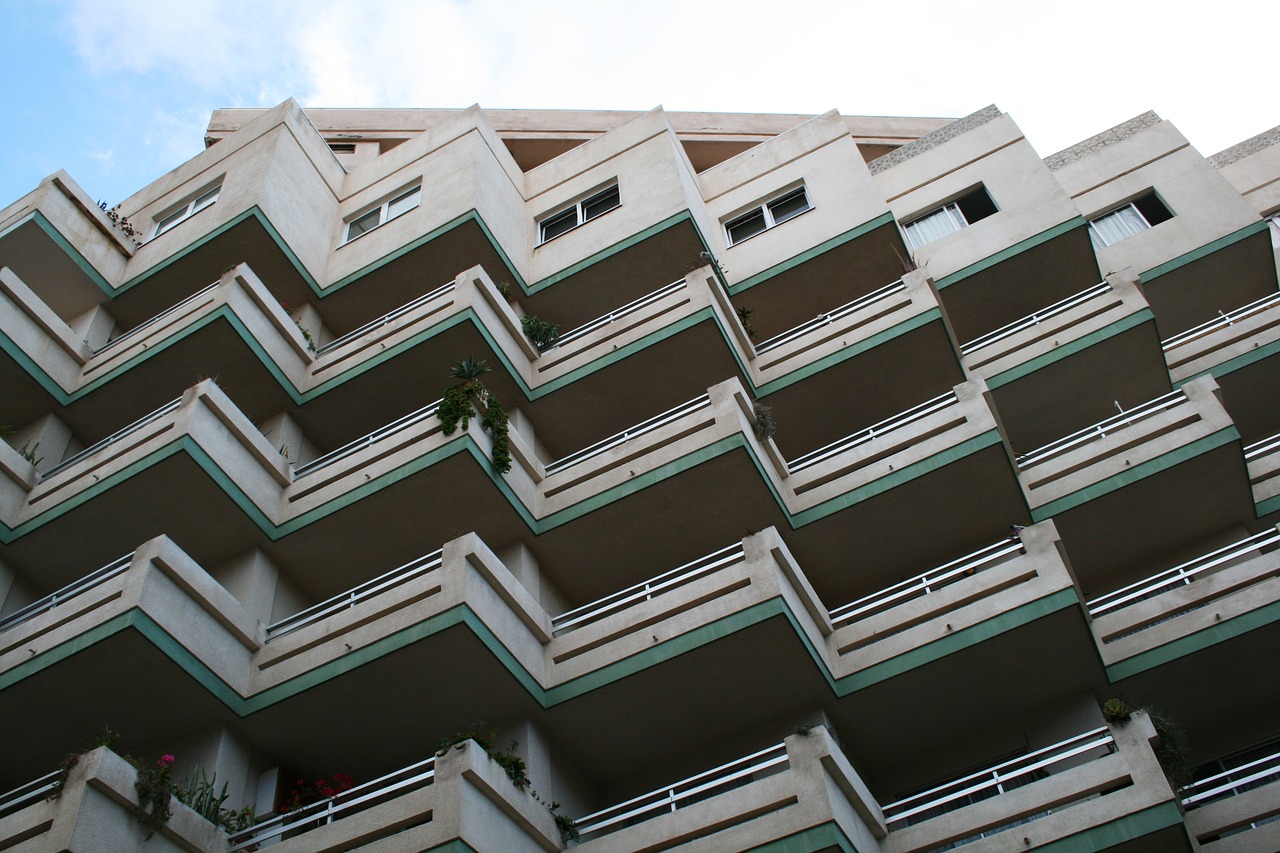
833,483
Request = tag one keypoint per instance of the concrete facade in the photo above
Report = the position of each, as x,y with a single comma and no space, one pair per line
814,538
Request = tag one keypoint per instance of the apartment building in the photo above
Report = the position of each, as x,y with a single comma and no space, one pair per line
851,467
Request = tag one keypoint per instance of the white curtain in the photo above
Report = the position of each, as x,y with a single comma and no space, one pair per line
935,226
1114,227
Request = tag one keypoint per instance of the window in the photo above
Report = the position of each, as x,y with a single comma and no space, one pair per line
1135,217
385,212
950,218
775,212
584,211
187,209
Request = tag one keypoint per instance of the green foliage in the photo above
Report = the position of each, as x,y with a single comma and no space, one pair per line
106,738
460,402
744,317
496,422
568,826
470,368
455,409
29,453
1174,750
765,426
201,795
457,739
155,792
1115,710
513,764
542,333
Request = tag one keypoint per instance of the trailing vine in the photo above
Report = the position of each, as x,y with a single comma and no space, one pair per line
155,793
461,401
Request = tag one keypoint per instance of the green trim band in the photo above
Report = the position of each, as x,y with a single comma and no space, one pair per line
1188,644
1238,363
1118,831
812,840
1009,252
1070,348
1203,251
813,252
52,232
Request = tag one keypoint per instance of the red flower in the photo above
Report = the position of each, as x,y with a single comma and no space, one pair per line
165,760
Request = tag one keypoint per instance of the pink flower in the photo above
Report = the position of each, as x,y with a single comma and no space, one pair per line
165,760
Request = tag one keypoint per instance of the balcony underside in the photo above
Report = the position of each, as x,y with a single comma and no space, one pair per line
1249,395
64,280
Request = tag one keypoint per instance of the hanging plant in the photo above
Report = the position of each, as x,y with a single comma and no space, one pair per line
463,399
542,333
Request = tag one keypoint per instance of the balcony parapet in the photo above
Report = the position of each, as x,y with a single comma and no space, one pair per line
1236,809
1200,594
1262,458
1234,337
1053,332
1189,418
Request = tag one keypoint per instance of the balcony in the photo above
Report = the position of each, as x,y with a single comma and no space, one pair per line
1236,808
1231,340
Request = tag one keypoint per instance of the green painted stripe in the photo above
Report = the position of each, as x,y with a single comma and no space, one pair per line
1219,632
1112,833
1203,251
188,662
457,845
1253,356
1267,507
35,371
811,253
1016,249
958,640
1138,472
902,475
814,839
64,650
609,251
73,253
1070,348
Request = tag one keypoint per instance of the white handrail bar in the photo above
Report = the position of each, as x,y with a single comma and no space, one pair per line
1035,318
353,596
831,316
645,590
629,308
1179,575
998,774
927,582
94,578
1262,447
156,319
385,318
330,810
364,441
36,789
1228,318
669,796
631,432
899,420
113,438
1100,429
1270,767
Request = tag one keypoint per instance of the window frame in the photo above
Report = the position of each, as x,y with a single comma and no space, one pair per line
1273,222
383,211
577,211
953,214
1096,236
180,213
766,211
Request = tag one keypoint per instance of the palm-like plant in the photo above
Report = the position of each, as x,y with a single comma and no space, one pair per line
463,399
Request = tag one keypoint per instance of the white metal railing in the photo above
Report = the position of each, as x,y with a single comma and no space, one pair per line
629,308
1034,319
113,438
1233,781
356,594
631,432
1224,318
364,441
682,793
1100,429
335,808
831,316
1265,447
389,317
36,789
71,590
874,431
994,780
156,319
1180,575
655,586
927,582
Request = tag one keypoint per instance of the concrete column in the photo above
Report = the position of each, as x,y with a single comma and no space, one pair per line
47,440
524,566
94,326
284,434
257,583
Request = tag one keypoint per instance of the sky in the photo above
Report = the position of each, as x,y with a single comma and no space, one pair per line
118,92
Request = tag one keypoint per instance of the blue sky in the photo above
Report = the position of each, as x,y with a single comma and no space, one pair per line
118,92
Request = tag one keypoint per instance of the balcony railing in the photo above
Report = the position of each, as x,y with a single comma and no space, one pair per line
372,438
1181,575
389,317
994,780
927,582
683,793
23,795
629,308
831,316
1262,448
156,319
1224,318
874,431
356,799
1034,319
1101,429
655,586
69,591
626,435
92,450
1236,780
355,595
